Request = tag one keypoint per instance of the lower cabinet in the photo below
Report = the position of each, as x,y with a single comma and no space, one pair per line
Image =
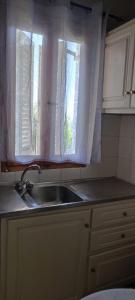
45,257
111,269
65,255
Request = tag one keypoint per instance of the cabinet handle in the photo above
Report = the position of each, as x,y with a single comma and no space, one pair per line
133,92
86,225
122,235
125,214
93,270
128,93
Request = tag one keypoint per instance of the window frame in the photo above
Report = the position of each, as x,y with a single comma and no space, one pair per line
13,166
10,166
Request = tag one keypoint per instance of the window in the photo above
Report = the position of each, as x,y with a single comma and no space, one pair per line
28,95
52,83
68,76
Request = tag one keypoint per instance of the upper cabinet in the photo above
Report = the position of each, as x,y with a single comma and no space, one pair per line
119,70
133,85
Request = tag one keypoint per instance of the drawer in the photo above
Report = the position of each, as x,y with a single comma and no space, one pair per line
113,215
112,237
111,269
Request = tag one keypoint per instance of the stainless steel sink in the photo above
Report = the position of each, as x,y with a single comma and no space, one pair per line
49,196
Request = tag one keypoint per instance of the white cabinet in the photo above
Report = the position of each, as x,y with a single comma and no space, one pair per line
68,254
112,246
112,268
45,256
119,70
133,86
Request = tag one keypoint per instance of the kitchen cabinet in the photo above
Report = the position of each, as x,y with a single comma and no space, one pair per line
112,246
113,215
119,70
112,268
110,238
45,256
133,86
66,254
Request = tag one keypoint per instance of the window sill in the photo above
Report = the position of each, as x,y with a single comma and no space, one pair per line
13,166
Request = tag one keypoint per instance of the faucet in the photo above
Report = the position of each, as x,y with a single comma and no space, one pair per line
25,185
31,167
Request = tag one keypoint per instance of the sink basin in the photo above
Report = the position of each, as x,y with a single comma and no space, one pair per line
50,195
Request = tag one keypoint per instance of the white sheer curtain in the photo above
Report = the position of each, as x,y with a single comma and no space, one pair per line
96,147
54,82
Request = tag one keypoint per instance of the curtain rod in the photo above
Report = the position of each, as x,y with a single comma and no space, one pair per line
80,6
117,18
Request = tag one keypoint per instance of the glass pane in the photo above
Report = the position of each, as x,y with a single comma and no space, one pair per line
71,97
67,97
28,77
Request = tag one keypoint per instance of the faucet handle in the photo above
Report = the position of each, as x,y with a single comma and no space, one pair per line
29,185
19,186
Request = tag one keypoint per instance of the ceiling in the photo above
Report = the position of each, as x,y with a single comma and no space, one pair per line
121,8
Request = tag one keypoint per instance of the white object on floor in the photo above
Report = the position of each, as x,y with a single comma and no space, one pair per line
113,294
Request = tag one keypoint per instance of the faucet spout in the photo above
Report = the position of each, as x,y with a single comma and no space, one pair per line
24,185
30,167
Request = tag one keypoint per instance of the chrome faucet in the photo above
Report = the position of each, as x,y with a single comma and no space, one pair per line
25,185
31,167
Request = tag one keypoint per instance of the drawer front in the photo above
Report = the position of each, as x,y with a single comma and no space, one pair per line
111,268
108,238
113,215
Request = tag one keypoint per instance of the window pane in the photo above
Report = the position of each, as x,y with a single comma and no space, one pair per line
28,76
71,97
67,90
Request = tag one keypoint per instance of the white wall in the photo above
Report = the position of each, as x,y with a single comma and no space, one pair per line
108,166
110,141
126,152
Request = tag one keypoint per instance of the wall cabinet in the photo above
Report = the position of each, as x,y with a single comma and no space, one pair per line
119,70
133,86
45,257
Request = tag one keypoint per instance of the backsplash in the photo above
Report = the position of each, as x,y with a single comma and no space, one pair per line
126,152
107,167
110,141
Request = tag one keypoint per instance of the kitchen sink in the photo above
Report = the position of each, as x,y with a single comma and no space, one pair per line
49,196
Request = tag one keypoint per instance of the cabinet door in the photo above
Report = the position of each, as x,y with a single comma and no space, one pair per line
111,269
46,257
133,84
118,71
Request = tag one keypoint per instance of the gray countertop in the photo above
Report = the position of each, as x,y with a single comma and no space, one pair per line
106,189
91,191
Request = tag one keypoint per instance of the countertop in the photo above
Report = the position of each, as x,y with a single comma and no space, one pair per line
92,191
106,189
